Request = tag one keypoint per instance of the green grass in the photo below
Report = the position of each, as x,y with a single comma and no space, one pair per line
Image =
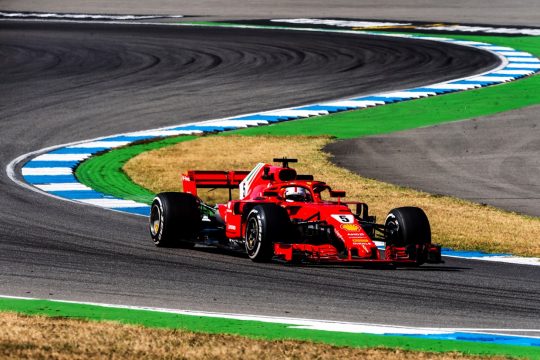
104,172
412,114
255,329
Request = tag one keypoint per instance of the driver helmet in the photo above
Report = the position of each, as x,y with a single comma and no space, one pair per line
295,193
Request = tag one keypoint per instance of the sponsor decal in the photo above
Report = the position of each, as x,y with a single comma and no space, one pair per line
344,23
231,227
357,235
414,26
351,227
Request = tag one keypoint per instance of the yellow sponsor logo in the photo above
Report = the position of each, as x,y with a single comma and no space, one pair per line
351,227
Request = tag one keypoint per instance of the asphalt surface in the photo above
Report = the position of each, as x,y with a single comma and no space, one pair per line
493,160
503,12
63,83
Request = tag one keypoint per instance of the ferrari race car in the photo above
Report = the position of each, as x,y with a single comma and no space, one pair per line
283,215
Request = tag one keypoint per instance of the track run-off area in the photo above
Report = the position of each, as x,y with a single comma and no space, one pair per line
107,258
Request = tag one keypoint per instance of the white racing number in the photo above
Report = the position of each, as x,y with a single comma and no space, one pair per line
344,219
248,180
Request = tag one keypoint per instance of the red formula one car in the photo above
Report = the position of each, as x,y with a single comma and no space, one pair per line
287,216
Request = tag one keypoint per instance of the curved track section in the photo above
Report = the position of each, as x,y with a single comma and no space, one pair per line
52,172
66,83
486,160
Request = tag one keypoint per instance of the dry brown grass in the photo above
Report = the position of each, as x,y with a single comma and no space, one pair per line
455,223
38,337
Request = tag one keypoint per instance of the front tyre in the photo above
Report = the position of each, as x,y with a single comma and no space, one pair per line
265,225
408,228
175,220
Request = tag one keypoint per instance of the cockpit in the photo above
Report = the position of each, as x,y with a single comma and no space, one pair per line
297,193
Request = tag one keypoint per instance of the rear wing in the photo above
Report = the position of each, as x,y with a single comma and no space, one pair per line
195,179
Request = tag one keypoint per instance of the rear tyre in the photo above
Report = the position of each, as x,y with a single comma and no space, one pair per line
265,225
409,227
175,220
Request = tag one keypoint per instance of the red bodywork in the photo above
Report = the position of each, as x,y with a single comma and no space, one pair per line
266,184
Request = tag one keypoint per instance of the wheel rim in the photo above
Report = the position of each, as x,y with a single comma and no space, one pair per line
252,235
392,230
155,220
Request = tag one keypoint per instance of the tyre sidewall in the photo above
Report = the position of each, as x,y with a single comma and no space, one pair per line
411,226
256,217
272,223
179,221
157,236
411,230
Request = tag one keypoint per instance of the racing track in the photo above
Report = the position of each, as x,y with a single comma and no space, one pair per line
487,160
62,83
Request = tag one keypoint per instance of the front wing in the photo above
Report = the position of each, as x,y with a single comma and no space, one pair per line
326,253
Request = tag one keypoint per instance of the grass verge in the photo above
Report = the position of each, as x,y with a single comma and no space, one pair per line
455,223
71,339
412,114
104,172
62,334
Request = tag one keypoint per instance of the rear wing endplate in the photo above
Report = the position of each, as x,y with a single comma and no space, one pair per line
195,179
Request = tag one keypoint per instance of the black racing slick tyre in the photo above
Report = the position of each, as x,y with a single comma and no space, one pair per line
265,225
408,227
175,220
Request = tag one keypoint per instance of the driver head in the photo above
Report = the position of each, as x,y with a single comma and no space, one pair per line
295,193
